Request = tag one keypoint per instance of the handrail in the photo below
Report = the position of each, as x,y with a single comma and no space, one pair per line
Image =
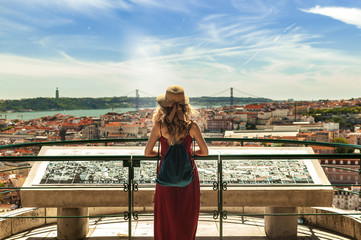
235,214
265,140
209,157
14,169
343,190
125,140
71,142
149,185
131,162
346,169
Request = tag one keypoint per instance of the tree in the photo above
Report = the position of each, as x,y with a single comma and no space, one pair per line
342,149
251,126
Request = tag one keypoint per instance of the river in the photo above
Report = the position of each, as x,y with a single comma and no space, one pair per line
76,113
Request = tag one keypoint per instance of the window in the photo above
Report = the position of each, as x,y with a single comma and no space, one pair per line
334,162
348,162
341,177
326,161
341,162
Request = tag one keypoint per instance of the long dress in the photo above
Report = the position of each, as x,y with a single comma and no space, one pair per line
176,209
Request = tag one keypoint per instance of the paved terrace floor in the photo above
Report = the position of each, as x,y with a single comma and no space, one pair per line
112,228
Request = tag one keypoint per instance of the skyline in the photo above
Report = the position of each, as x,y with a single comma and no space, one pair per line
278,50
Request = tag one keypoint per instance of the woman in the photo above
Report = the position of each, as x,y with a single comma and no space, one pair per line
176,209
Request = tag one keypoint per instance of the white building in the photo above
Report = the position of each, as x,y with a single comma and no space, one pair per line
280,113
259,133
90,132
131,129
347,200
331,126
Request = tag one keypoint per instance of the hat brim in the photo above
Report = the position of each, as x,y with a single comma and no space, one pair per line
164,102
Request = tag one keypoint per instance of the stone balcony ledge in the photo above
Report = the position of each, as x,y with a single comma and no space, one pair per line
316,226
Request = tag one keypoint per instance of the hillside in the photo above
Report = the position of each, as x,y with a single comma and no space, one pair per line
44,104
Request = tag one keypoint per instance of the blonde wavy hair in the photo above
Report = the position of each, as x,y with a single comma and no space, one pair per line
177,128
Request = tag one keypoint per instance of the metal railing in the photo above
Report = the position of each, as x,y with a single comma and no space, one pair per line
132,162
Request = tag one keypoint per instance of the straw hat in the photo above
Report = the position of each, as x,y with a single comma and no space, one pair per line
174,95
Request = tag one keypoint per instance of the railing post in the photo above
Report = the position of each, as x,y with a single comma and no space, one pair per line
243,215
220,197
221,187
359,177
218,186
130,188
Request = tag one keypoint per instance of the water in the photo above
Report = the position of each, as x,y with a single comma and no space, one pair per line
76,113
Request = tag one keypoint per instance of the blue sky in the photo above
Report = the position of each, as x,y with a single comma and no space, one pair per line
95,48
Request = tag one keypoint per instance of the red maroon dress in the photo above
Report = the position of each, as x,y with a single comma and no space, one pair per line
176,209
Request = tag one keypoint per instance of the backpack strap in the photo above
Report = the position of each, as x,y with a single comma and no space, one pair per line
187,132
158,156
160,128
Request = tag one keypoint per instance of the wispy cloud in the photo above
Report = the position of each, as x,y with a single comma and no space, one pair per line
106,47
250,59
7,25
347,15
257,7
173,5
83,6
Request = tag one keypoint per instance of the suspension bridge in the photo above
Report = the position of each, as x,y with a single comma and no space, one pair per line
230,91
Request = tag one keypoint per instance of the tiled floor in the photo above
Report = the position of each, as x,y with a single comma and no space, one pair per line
208,228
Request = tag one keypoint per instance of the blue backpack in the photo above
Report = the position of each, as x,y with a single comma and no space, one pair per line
176,169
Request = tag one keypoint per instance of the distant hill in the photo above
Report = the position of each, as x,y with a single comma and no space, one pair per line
45,104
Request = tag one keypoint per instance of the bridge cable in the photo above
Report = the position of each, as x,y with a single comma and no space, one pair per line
150,95
248,94
224,91
129,93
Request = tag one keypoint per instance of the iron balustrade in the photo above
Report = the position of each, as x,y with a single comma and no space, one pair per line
132,162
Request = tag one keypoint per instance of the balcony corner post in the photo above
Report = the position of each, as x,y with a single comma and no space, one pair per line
72,228
280,226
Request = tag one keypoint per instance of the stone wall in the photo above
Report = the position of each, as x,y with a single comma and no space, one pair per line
346,225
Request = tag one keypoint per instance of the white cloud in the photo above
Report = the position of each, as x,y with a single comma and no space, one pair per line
7,25
172,5
221,67
259,57
56,12
82,5
347,15
263,68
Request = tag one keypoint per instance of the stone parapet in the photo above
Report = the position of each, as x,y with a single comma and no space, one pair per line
347,225
10,226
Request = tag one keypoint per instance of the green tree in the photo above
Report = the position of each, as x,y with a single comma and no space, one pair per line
251,126
342,149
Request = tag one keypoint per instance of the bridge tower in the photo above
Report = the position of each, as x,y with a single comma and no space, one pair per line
231,98
136,99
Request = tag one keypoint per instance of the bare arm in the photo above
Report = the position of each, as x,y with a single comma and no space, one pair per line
197,135
154,135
